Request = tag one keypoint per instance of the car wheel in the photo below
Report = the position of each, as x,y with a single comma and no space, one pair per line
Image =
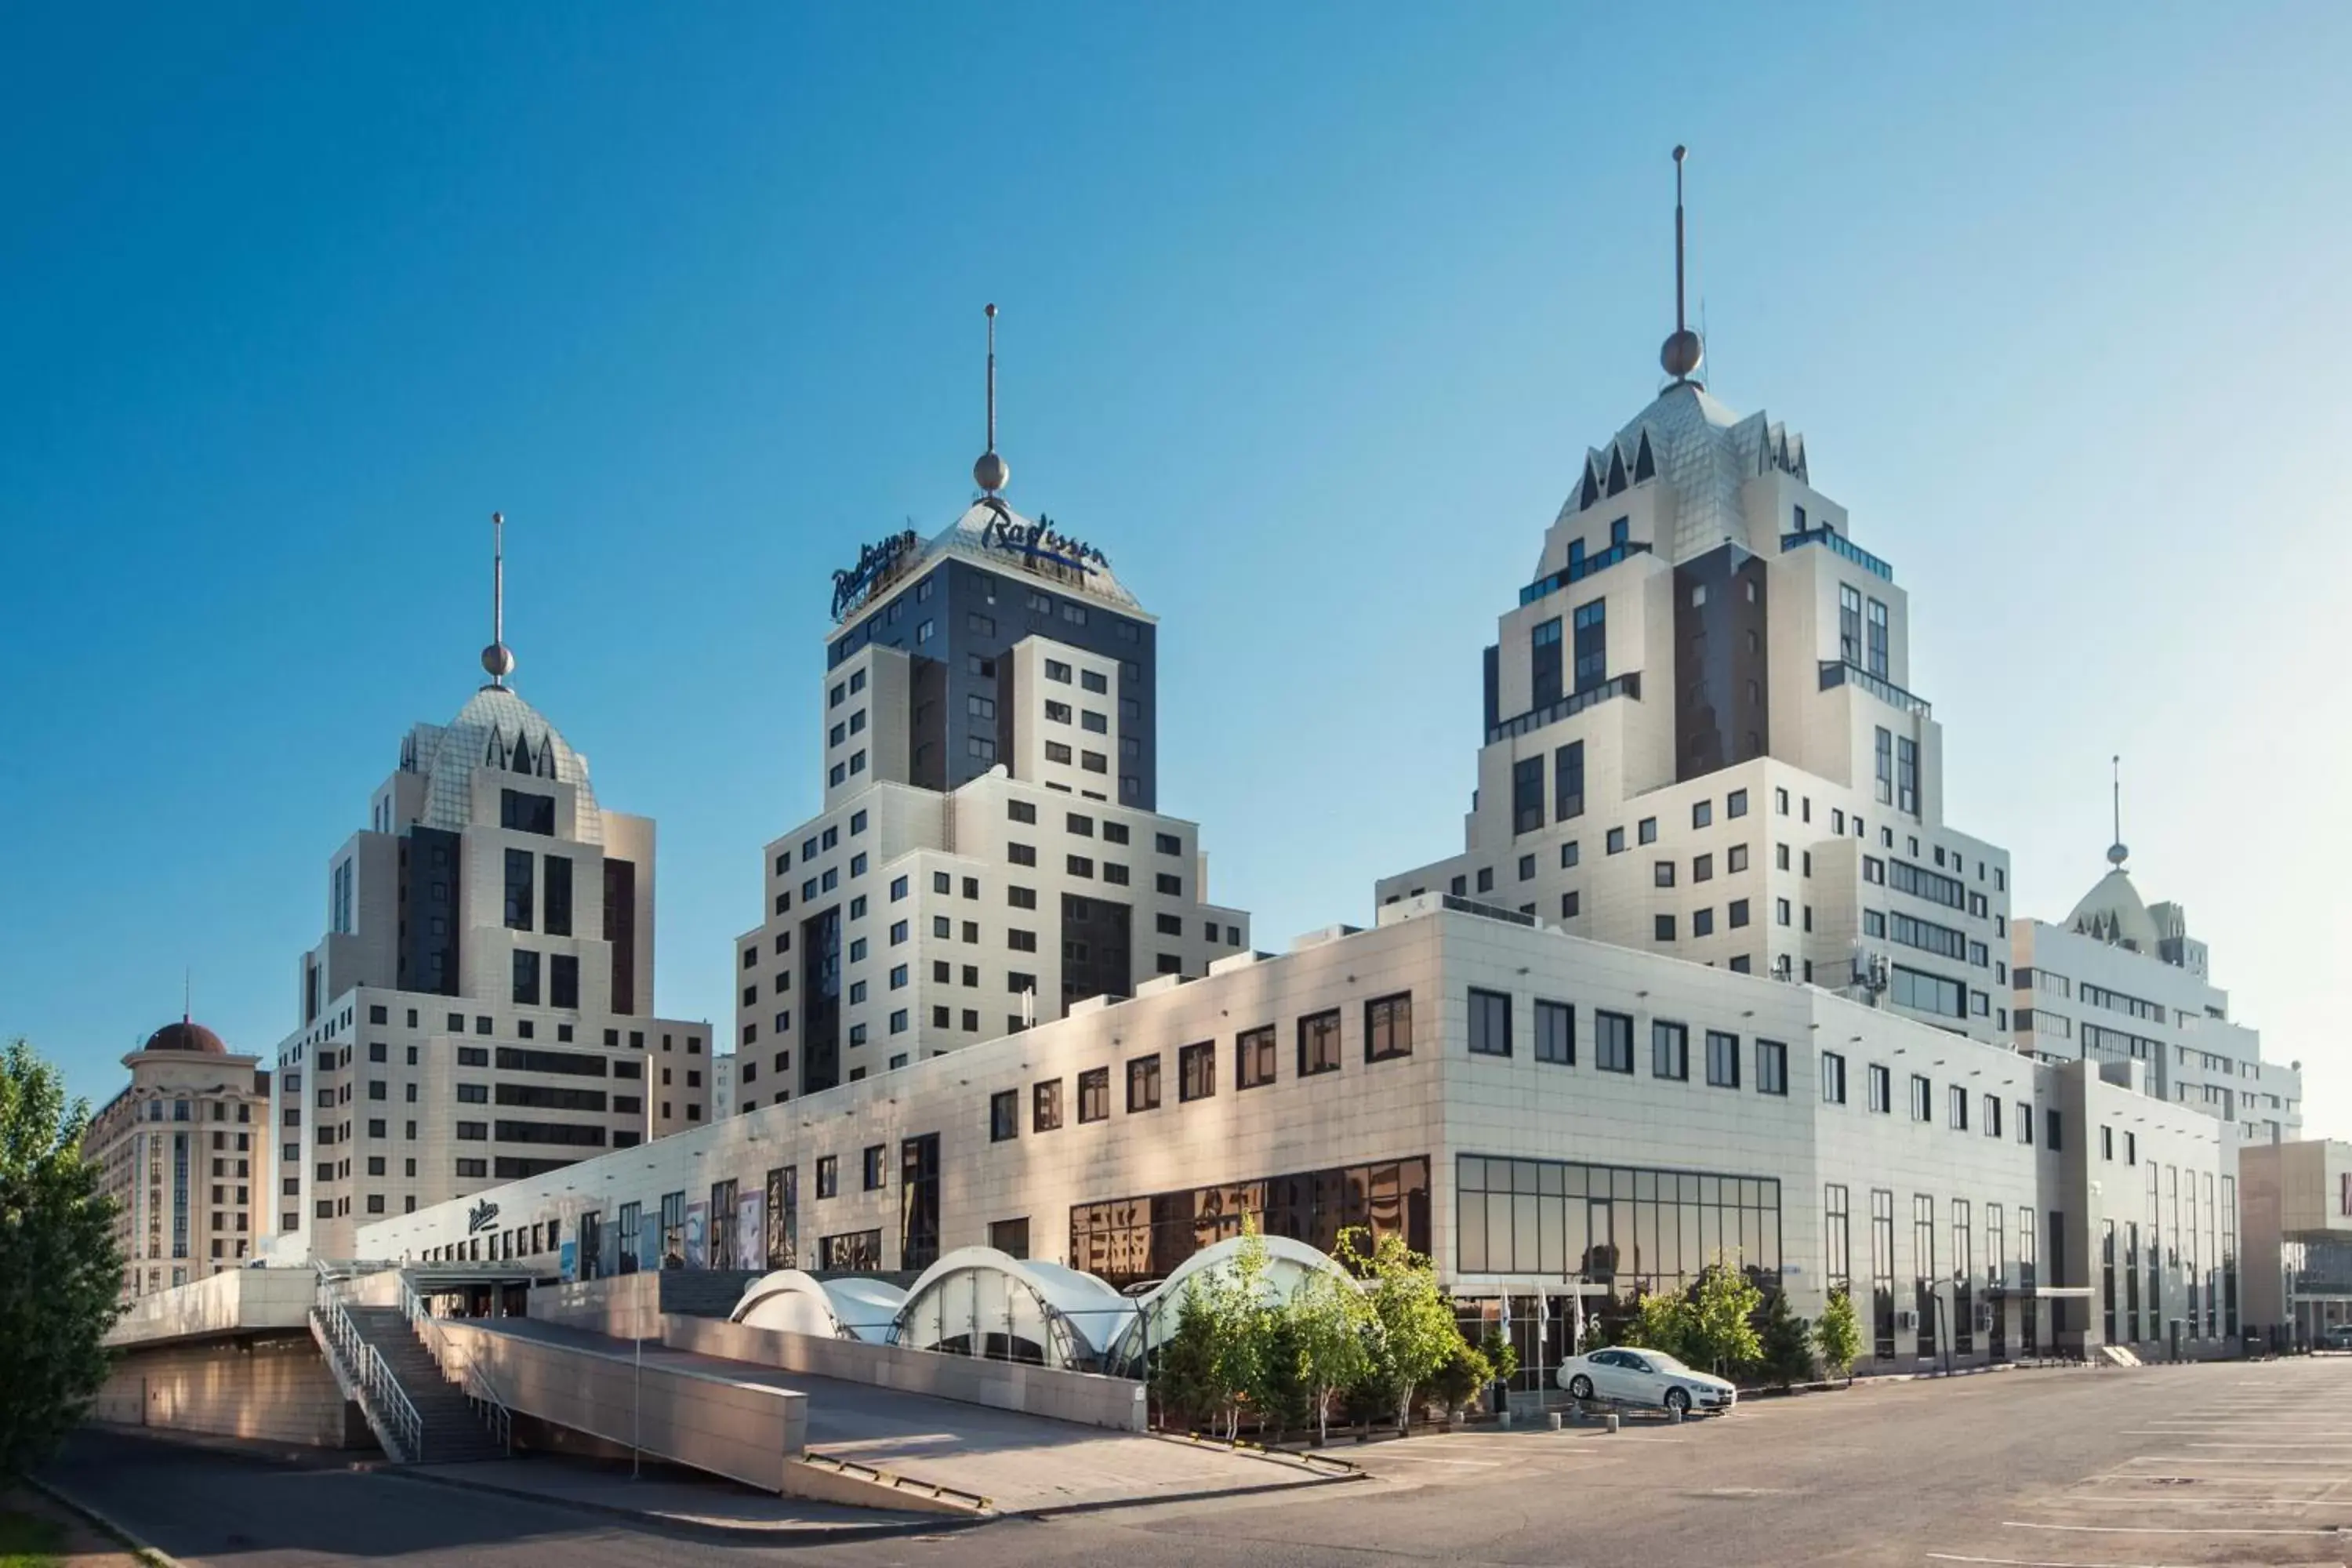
1579,1387
1678,1401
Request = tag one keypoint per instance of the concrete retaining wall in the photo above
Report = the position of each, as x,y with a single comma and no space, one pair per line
274,1386
744,1431
226,1303
1082,1397
623,1306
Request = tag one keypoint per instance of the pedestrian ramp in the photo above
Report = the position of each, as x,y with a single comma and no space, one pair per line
891,1445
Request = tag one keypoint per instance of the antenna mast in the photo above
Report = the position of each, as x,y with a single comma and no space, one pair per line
989,473
498,660
1682,352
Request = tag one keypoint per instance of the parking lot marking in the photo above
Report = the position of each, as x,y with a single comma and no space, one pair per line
2050,1562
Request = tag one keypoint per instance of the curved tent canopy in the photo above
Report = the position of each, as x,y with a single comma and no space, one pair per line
977,1300
1289,1263
798,1303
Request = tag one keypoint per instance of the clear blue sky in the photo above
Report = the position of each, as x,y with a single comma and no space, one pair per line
1309,314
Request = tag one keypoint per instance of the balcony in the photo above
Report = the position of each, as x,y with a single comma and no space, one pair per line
1629,685
1838,544
1578,571
1837,672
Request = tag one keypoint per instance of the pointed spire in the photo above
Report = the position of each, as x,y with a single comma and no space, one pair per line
989,473
2116,853
1682,352
498,659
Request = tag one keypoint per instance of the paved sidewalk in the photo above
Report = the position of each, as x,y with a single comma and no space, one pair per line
664,1495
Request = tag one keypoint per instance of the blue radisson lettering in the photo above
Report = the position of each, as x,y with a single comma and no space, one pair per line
876,564
1039,542
481,1217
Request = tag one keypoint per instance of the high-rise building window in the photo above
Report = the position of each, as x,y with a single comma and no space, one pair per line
1527,794
525,978
1906,774
1669,1050
1490,1023
1591,644
562,981
518,882
555,911
1886,760
1848,624
1568,782
1547,663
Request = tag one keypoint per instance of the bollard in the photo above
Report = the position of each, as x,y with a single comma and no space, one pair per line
1554,1421
1612,1421
1504,1418
1673,1414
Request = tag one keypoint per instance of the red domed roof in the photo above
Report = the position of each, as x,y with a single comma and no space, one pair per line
185,1037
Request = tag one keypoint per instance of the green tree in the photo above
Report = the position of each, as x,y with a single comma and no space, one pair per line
1500,1353
1658,1323
1718,1332
1786,1344
1184,1367
60,1271
1414,1325
1838,1336
1463,1372
1330,1325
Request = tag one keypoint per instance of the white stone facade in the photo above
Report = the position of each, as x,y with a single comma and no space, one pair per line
1703,643
478,1007
1403,1119
2118,981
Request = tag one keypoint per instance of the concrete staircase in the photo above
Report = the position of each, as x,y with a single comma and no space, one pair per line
453,1434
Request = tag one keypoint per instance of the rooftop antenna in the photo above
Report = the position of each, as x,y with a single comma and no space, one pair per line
2116,853
989,473
1682,352
187,995
498,659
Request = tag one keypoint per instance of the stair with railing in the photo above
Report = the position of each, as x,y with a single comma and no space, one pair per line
379,1357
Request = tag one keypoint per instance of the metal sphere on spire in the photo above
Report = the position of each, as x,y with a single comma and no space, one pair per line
498,660
991,472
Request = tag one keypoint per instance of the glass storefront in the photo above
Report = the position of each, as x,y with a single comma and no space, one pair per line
1638,1231
1127,1240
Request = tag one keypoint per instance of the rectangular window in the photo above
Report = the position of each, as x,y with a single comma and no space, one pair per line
1850,625
1567,781
1906,774
525,978
1771,1067
1319,1042
1196,1072
1094,1095
1669,1050
1722,1059
1612,1042
519,863
1254,1057
1555,1033
1875,657
1003,1115
1387,1026
1490,1023
1923,1098
1882,1089
875,1169
1045,1106
1832,1078
1527,794
1591,644
1884,756
1957,1107
1143,1083
1544,643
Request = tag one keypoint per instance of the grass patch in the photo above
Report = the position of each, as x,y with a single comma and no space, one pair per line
30,1542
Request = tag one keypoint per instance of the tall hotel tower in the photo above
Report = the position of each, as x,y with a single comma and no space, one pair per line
990,853
1702,641
477,1010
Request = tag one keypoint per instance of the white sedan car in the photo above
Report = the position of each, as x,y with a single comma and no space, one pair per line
1644,1377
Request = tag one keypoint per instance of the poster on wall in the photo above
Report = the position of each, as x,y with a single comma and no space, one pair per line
567,1262
750,1236
698,1220
784,1238
649,1251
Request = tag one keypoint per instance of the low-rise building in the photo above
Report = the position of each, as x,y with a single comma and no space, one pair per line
2298,1220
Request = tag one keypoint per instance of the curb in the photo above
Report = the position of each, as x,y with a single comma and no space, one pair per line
707,1529
1206,1494
138,1547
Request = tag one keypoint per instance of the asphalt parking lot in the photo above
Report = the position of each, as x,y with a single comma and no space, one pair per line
2230,1463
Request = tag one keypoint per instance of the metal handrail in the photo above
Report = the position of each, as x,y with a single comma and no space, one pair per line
370,1373
480,1393
1842,672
